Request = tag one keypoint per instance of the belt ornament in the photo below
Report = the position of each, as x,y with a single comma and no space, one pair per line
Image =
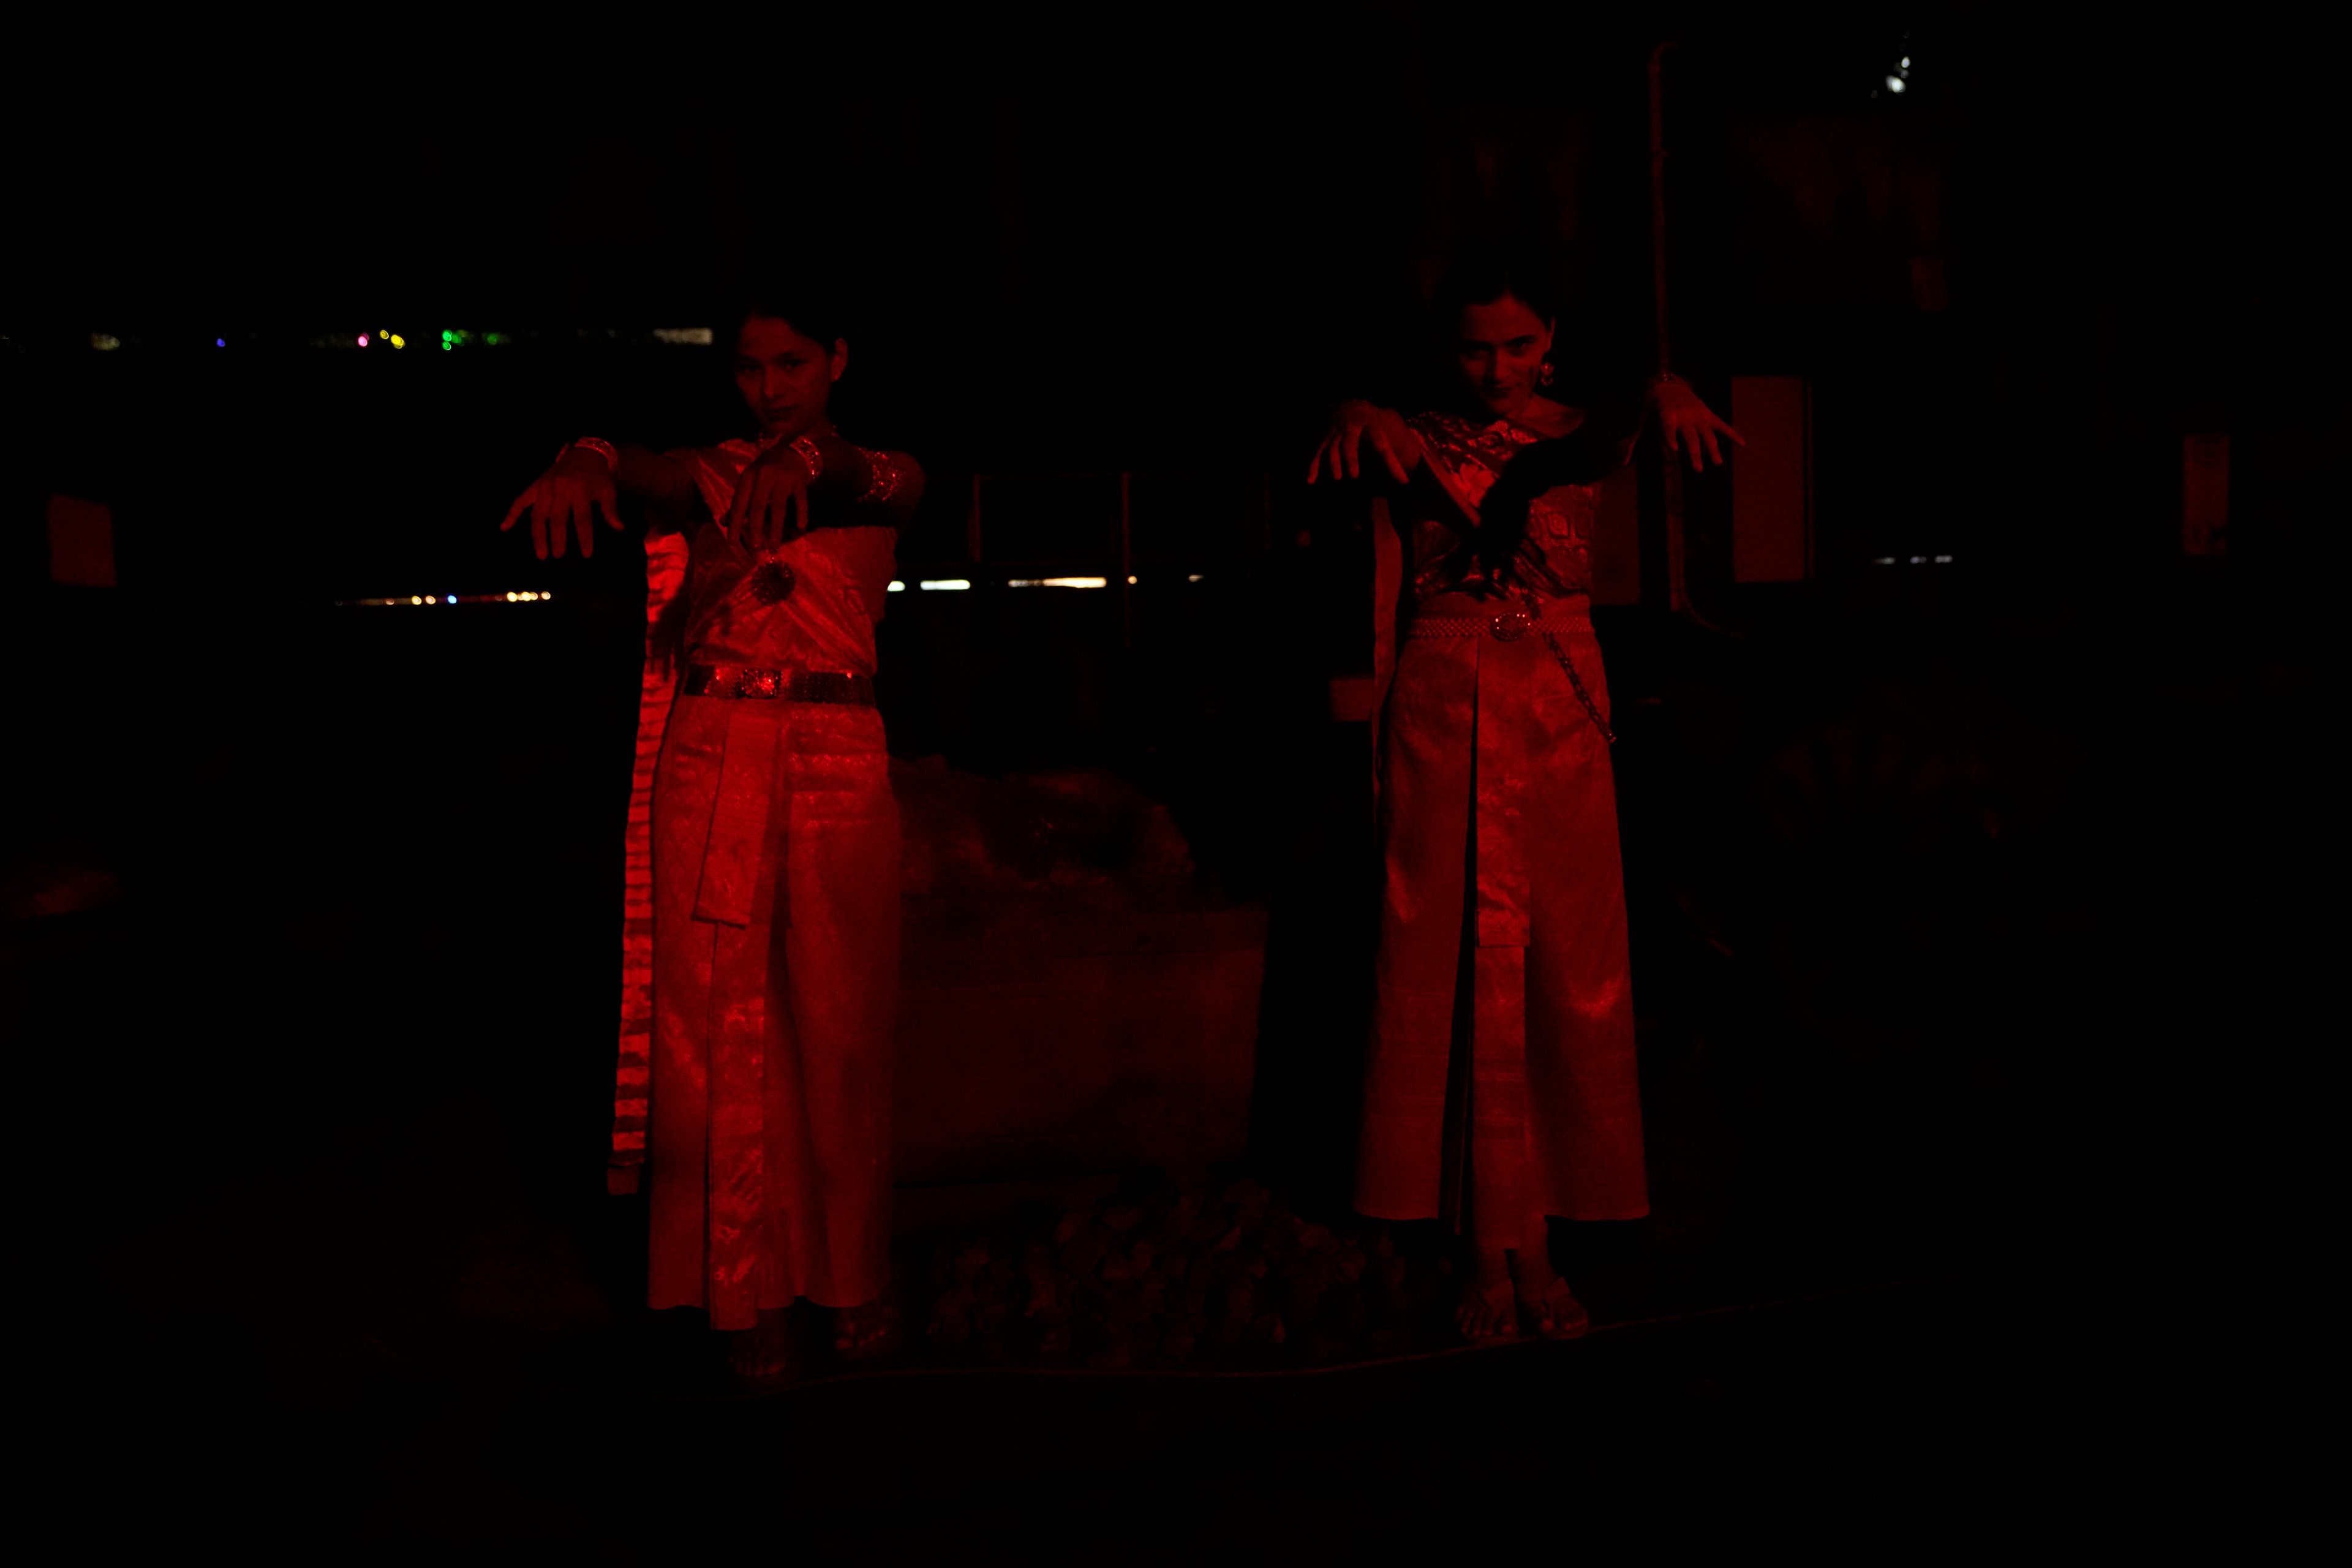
742,680
1510,626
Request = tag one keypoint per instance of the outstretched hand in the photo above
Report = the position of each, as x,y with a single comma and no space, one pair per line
773,489
1685,424
564,501
1352,422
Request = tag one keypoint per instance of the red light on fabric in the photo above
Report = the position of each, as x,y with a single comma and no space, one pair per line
2205,495
1772,480
81,542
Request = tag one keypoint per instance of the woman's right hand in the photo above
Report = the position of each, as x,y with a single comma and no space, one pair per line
564,501
1353,421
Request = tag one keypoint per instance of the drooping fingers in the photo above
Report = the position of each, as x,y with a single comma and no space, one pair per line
1388,451
1354,440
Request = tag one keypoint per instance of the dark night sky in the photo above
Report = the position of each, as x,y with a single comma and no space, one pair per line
1176,243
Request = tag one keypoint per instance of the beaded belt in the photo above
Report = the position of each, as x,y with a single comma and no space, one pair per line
787,685
1510,626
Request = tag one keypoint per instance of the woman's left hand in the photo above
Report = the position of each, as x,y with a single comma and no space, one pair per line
1688,425
770,500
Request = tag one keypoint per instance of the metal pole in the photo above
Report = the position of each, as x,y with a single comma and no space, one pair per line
1677,584
1126,564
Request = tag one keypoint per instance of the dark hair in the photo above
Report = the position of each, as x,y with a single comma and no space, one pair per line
803,302
1483,276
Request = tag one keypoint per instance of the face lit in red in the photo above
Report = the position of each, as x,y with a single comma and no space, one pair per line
784,375
1500,350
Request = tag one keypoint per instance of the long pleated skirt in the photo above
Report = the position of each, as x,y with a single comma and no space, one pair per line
775,937
1501,1078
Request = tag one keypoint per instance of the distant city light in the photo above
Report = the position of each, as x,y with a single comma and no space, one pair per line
1943,561
1894,84
698,336
897,587
102,341
220,343
395,340
1903,64
362,340
1076,582
1193,576
1130,580
1881,561
518,596
943,584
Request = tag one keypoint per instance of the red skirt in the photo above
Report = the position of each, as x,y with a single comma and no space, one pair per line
1501,1080
775,956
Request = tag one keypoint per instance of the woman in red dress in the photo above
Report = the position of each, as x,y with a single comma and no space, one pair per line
1500,1084
761,944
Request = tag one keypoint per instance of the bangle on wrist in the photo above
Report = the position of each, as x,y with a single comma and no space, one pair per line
807,450
881,479
603,449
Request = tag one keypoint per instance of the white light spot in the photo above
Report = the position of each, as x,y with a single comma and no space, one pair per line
943,584
1075,583
1894,84
1193,576
1918,560
1943,561
897,587
453,598
1903,64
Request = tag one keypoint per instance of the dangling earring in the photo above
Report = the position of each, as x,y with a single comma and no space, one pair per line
1543,376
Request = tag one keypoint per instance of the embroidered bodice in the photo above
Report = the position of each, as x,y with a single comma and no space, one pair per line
840,579
1465,459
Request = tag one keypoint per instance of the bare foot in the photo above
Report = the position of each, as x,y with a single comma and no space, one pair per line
864,1332
766,1354
1552,1309
1487,1311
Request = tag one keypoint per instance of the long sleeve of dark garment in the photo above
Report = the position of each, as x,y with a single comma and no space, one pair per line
1586,455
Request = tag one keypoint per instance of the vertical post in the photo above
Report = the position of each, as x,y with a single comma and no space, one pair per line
1126,563
1671,488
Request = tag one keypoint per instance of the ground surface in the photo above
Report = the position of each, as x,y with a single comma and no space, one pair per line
308,1248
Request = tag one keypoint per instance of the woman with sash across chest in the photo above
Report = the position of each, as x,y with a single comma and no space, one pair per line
761,937
1500,1084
